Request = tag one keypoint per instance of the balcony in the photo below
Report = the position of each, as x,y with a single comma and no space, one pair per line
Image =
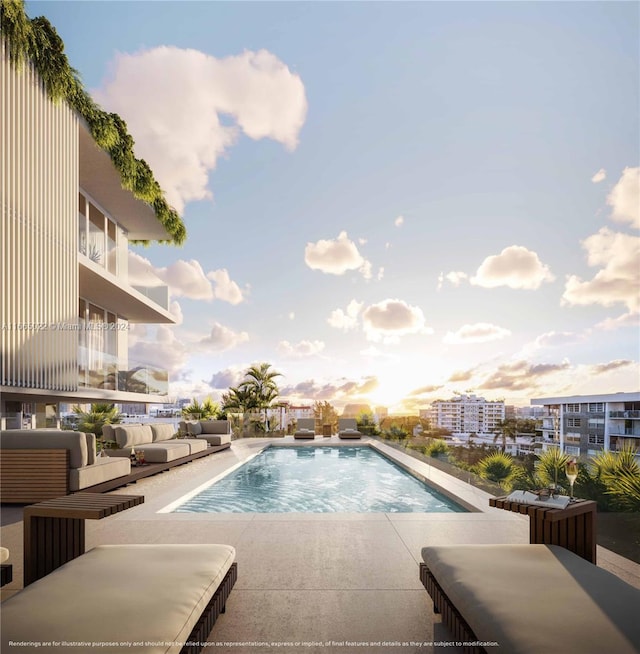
628,415
104,371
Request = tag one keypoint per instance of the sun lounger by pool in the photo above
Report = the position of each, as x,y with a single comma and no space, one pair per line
348,428
529,599
114,596
306,428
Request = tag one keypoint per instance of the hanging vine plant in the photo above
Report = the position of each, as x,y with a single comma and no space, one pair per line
36,41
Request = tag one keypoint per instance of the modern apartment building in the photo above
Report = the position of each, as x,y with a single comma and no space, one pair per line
583,425
466,414
66,302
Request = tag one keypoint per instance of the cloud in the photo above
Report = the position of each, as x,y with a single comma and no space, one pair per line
176,311
424,390
454,277
631,319
301,349
172,100
292,315
346,320
600,176
480,332
336,256
399,221
461,375
164,351
618,281
390,319
602,368
227,377
515,267
185,279
225,289
340,390
557,339
624,198
521,375
222,338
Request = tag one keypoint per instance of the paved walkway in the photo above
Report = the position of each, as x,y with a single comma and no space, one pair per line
318,583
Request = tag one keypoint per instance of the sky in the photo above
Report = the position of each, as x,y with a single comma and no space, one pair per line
389,202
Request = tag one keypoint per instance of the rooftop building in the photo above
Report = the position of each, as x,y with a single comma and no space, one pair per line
466,414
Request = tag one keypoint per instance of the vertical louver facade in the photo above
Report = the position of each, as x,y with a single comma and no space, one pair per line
38,234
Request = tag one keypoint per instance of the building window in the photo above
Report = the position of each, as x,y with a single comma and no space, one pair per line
573,451
573,408
573,422
596,407
572,438
596,439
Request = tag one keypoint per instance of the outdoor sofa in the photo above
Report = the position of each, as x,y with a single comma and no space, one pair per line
529,599
155,599
41,464
214,432
306,428
348,428
158,442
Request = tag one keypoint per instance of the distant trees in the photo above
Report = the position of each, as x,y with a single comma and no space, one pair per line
207,410
325,414
511,428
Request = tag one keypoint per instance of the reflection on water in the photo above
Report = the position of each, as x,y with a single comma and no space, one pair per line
348,479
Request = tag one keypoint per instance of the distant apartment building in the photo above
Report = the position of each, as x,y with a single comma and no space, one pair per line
583,425
66,301
466,414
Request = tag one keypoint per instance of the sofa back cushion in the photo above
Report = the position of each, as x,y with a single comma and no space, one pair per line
194,428
48,439
307,423
108,433
132,435
215,426
162,431
91,448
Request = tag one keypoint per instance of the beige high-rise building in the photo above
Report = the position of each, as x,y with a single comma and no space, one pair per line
66,301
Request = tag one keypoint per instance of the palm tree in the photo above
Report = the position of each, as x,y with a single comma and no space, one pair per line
620,473
512,428
208,410
100,414
260,383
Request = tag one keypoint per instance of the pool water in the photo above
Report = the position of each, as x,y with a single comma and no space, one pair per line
324,479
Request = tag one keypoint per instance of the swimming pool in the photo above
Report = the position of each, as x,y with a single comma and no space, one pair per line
324,479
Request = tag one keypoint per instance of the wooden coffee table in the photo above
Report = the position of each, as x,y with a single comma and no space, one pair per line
573,528
54,530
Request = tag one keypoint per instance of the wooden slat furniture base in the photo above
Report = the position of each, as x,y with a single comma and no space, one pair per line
198,637
455,623
54,530
573,528
28,476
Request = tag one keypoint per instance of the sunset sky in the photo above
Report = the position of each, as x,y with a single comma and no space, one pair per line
389,202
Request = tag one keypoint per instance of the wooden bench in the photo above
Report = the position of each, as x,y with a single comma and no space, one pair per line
528,599
154,599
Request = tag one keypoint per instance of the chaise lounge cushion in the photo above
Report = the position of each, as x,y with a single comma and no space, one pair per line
121,594
537,598
164,452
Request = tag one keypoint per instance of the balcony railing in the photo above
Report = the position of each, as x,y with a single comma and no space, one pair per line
157,294
629,415
105,371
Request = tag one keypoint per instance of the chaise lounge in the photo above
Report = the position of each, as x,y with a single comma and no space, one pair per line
40,464
156,599
306,428
348,428
528,599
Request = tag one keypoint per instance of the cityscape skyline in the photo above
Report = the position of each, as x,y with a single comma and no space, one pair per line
390,203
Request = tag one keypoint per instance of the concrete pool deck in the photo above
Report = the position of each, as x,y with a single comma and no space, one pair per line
319,583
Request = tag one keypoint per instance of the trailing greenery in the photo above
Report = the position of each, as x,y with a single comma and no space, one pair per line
36,41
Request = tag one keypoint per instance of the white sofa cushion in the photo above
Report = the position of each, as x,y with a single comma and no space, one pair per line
214,439
194,427
132,435
104,469
162,431
164,451
120,594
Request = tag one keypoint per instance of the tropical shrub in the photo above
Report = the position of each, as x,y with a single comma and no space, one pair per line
91,422
620,474
207,410
549,468
436,447
498,467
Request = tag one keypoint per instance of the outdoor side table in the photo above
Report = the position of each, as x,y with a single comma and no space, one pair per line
573,528
54,530
326,430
